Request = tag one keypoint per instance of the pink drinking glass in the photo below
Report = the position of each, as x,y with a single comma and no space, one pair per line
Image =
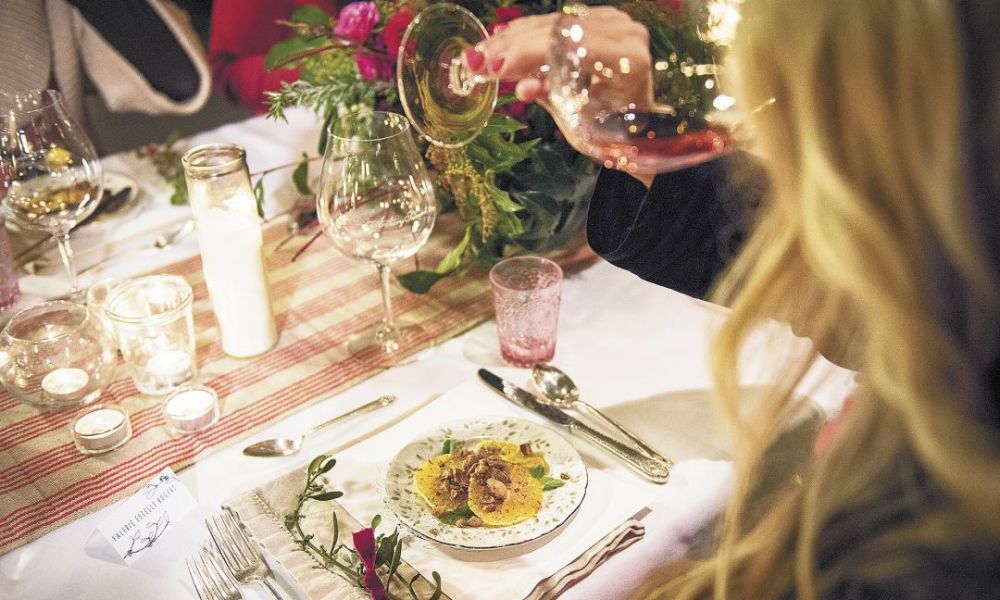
10,290
526,293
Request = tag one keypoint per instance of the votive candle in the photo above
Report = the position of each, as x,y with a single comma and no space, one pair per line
190,409
100,428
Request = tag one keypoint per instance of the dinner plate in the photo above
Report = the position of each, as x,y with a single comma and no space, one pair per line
558,505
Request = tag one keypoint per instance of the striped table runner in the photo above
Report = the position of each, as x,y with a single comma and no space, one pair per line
320,301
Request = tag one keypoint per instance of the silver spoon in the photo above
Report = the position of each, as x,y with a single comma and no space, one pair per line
557,387
286,446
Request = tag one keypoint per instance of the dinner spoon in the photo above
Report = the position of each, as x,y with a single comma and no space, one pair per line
558,388
286,446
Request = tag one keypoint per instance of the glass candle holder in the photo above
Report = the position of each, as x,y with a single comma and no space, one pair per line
154,323
56,355
190,408
100,428
231,243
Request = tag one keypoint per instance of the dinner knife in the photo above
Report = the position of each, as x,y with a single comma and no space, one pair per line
657,471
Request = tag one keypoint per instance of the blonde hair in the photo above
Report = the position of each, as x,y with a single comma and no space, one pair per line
868,245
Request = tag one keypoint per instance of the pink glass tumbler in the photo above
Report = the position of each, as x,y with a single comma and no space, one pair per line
10,290
526,293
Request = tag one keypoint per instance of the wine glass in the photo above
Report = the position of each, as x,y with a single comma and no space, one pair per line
50,177
376,202
449,104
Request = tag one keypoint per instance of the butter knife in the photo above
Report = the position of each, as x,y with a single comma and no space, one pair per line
657,471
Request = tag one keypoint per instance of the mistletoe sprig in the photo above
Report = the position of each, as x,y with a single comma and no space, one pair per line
373,567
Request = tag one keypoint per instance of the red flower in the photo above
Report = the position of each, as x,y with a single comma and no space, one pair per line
394,28
364,543
504,14
356,21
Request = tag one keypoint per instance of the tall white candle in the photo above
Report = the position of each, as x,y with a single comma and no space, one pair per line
233,262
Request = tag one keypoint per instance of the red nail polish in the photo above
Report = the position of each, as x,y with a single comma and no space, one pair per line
496,65
474,58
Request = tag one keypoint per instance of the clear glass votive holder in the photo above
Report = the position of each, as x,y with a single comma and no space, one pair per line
56,355
526,295
154,323
100,428
190,408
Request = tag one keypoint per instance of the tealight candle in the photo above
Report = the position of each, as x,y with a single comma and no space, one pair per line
190,409
100,428
170,367
65,383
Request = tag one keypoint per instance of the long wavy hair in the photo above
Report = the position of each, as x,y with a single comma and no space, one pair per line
872,244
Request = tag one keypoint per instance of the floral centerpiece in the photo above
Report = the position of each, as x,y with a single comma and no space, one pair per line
518,185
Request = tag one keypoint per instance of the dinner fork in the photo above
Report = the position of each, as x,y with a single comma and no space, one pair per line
241,554
210,579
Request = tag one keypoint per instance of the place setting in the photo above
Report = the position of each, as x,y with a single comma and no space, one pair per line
402,373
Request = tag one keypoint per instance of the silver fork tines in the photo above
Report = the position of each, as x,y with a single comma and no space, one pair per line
210,579
241,554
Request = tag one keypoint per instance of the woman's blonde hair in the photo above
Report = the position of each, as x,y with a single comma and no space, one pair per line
869,246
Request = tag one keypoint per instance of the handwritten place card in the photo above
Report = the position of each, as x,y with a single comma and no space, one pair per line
137,523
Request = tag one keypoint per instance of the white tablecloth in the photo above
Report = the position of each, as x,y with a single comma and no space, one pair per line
636,350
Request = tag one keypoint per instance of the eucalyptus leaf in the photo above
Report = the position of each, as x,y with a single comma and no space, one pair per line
316,462
326,496
300,176
420,282
328,465
258,194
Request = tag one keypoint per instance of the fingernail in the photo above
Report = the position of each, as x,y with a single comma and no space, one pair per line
496,65
474,58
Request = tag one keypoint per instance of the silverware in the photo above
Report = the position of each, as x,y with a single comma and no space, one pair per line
209,579
286,446
657,471
558,388
162,242
241,554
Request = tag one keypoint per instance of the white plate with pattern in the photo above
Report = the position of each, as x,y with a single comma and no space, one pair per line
558,505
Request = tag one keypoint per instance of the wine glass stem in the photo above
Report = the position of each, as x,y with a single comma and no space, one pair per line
387,332
66,252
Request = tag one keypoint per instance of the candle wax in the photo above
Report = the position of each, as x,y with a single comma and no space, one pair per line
101,421
65,381
190,403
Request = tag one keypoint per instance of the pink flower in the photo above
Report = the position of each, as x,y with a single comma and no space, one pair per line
356,21
364,543
394,28
373,68
504,14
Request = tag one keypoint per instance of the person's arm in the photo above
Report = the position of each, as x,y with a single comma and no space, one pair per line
138,32
682,231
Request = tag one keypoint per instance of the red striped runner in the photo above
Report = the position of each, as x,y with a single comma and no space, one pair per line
320,302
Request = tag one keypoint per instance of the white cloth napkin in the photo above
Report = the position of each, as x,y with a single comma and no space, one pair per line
611,500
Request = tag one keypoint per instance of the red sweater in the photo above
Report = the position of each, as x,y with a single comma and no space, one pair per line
242,33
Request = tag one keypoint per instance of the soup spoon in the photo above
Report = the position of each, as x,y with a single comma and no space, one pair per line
286,446
559,390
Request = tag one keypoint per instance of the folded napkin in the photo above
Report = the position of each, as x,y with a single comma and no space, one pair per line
603,526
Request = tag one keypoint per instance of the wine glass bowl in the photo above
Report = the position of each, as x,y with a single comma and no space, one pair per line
376,203
50,177
447,103
56,355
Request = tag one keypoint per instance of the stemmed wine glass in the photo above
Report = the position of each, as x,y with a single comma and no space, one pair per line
449,104
377,204
50,177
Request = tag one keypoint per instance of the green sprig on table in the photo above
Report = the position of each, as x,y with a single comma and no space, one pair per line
166,159
343,560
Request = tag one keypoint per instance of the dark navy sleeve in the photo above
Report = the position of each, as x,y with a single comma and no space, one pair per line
683,230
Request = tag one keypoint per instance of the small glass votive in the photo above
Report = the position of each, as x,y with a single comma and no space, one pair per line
154,325
100,428
526,294
190,408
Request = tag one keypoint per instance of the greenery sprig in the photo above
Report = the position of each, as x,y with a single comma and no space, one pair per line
343,560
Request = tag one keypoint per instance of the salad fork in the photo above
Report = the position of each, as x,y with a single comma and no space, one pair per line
241,554
209,579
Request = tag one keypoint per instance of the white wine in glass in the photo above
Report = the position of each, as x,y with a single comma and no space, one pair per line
376,203
50,177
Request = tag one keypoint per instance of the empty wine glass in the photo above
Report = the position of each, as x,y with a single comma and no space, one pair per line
692,123
50,177
377,204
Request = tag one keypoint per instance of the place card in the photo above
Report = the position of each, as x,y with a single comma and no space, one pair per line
138,523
